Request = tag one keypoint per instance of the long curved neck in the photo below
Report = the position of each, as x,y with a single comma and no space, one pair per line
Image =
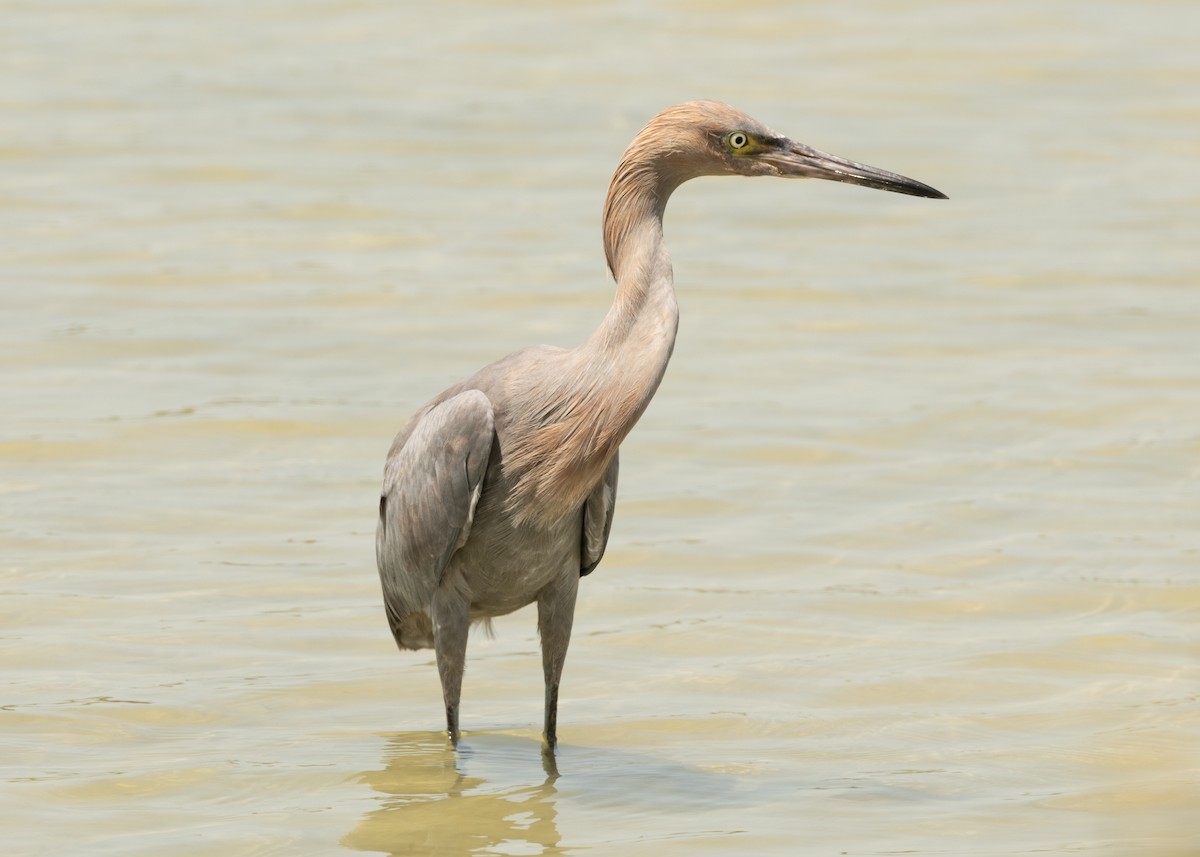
601,388
639,331
633,344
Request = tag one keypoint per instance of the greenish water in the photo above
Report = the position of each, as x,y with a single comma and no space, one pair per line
906,554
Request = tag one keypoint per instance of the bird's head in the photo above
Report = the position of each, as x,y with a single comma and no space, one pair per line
709,138
700,138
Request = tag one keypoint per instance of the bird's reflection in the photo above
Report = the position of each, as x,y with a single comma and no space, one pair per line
441,802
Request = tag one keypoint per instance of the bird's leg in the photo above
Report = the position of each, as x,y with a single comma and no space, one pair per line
451,614
556,612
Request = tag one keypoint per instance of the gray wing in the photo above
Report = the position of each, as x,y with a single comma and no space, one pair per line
431,484
597,518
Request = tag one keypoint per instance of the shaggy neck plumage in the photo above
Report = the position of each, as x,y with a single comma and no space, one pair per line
607,382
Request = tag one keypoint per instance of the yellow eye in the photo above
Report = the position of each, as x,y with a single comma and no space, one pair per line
738,140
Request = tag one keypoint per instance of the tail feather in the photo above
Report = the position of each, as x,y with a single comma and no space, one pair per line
412,630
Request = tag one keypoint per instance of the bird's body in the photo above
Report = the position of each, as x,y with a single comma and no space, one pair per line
510,553
500,491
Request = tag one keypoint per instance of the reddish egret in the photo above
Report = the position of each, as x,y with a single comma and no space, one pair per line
499,492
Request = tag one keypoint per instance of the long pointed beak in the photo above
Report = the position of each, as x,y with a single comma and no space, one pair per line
796,160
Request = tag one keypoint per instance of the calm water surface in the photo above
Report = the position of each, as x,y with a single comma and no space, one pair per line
907,554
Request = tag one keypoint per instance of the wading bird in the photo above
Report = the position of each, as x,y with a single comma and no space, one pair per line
500,491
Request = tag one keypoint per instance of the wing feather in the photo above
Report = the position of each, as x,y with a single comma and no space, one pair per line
431,485
598,518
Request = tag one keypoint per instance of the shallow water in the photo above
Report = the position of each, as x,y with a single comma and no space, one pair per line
906,558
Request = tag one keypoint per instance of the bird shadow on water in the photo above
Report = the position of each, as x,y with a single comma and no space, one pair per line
500,794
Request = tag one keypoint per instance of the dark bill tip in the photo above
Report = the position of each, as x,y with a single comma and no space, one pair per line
912,187
799,161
